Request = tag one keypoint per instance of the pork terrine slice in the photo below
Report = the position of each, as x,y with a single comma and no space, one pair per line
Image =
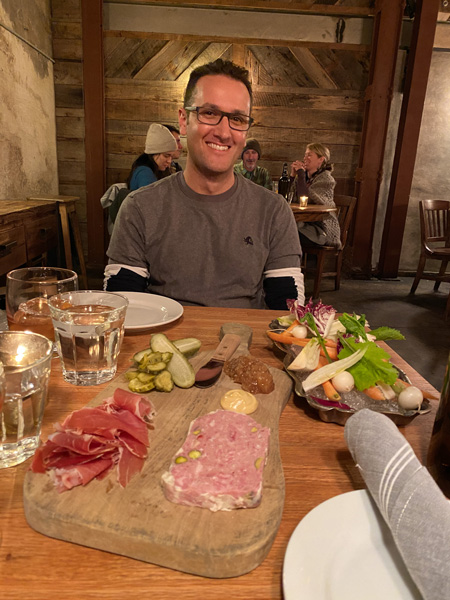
220,464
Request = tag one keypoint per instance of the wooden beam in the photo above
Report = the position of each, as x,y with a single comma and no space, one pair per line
92,36
115,33
289,6
386,36
417,72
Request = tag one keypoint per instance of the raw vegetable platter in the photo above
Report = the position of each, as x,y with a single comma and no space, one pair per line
338,366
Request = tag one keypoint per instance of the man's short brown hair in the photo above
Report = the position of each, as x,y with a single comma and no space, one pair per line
218,67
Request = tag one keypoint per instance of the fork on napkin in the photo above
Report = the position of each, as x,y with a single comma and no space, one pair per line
411,503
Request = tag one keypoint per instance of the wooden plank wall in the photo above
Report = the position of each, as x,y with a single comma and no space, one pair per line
329,7
301,94
68,76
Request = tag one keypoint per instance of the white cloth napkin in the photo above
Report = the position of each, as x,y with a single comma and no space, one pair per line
411,503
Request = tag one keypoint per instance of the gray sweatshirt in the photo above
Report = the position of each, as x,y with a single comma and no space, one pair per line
207,250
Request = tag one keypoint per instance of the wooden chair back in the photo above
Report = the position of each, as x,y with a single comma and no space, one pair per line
434,220
345,206
434,224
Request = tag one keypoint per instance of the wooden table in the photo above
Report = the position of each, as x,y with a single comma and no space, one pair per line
316,462
312,212
28,230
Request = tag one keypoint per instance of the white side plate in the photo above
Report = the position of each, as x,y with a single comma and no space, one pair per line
343,550
150,310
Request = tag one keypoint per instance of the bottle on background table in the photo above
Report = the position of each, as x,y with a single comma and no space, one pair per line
284,182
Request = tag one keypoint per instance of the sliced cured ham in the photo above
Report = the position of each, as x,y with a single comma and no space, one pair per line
68,477
129,464
82,444
135,404
220,464
97,421
93,440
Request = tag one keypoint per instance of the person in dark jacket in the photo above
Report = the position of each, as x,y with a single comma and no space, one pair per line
154,163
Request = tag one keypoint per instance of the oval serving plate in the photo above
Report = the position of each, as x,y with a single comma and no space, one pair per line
330,413
339,412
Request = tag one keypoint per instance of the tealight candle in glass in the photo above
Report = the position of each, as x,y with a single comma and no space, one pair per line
303,201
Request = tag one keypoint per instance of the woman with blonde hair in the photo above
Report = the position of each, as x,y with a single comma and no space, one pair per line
312,177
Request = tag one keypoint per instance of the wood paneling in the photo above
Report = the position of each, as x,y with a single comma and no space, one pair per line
332,7
301,95
69,127
68,73
303,92
68,96
207,38
93,75
69,102
67,49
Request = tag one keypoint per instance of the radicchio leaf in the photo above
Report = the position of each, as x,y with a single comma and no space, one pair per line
320,312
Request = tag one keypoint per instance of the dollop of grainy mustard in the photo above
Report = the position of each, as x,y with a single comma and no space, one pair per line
239,401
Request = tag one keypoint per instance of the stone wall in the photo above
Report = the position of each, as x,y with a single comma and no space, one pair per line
28,163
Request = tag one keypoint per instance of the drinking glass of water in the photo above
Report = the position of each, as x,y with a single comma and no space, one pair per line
25,370
89,329
27,292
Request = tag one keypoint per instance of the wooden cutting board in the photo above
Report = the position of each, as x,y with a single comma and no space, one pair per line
140,523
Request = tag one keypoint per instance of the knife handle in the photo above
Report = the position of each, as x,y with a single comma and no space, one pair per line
227,347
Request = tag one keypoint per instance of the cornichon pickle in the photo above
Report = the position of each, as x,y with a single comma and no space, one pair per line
156,367
140,355
131,375
154,357
138,386
145,377
180,368
164,382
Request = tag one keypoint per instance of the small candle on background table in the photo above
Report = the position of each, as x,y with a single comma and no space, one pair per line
303,201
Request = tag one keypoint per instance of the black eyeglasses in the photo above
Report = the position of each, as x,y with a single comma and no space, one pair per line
213,116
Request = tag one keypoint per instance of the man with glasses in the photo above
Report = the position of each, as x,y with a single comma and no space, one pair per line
205,236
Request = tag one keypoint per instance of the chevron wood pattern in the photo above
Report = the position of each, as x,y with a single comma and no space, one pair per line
301,94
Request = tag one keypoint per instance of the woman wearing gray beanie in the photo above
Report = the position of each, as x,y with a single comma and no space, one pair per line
154,163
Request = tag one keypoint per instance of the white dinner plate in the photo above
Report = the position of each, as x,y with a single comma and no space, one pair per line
149,310
343,550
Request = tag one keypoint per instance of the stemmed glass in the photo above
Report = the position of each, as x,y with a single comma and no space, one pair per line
27,291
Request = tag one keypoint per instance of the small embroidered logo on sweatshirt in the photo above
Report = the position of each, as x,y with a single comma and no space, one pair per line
248,240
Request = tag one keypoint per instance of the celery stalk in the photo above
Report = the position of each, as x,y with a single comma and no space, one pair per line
329,371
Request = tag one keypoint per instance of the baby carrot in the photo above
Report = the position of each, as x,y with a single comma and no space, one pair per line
285,338
375,393
330,391
292,326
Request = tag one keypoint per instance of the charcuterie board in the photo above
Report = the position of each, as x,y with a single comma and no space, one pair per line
138,521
